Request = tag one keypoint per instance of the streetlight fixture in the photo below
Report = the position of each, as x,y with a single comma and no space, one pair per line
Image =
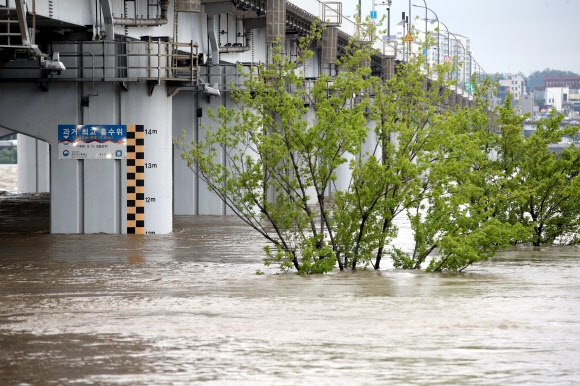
437,18
449,45
464,55
448,39
479,71
388,3
425,20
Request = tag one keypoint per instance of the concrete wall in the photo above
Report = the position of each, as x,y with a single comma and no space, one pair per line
208,203
191,195
185,120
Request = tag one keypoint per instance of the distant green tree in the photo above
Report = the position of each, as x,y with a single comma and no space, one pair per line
9,156
544,185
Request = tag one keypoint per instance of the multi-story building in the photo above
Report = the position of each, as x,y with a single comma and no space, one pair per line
446,46
538,92
526,105
558,98
515,84
562,81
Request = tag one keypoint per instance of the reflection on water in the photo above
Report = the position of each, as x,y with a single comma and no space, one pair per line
21,213
188,308
24,213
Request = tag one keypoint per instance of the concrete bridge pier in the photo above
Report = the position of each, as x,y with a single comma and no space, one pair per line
155,114
90,195
33,165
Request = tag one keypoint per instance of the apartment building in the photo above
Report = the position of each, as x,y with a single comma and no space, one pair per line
515,84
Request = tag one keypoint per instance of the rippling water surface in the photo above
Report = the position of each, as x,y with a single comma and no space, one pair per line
8,178
188,308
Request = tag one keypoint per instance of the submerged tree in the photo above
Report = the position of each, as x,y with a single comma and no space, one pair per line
456,212
282,154
390,179
401,148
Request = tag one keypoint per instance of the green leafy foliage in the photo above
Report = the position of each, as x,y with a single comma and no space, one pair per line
282,156
322,172
543,183
9,156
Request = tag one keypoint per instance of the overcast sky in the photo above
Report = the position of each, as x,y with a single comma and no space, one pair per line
507,36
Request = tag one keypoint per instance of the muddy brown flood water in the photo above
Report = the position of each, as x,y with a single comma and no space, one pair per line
188,308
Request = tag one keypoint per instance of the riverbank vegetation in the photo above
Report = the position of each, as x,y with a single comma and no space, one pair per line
323,168
9,156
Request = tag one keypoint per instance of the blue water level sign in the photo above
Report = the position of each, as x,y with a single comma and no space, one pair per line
92,141
373,14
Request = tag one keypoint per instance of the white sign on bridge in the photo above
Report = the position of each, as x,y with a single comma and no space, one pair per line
92,141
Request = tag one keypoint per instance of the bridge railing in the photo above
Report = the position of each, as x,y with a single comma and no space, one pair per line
154,60
322,10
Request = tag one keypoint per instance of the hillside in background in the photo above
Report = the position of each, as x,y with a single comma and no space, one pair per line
537,77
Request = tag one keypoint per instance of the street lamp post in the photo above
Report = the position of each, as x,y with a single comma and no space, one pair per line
425,20
479,70
410,21
449,43
389,18
437,18
448,39
465,72
404,33
464,56
388,3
